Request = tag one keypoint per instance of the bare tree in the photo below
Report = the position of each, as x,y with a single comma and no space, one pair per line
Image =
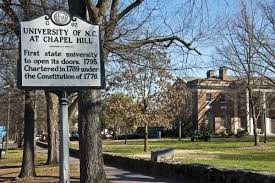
28,168
241,55
125,27
144,80
264,42
11,15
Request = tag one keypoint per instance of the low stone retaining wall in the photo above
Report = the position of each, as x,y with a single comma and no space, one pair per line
191,173
188,172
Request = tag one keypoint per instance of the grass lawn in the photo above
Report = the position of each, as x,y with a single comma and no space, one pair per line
230,152
10,166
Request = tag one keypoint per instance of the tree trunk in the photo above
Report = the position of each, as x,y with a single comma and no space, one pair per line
126,133
90,144
179,129
8,122
146,137
252,107
20,139
256,136
28,168
115,131
20,126
53,128
89,102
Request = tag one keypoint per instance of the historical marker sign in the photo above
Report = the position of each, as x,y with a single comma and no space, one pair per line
60,51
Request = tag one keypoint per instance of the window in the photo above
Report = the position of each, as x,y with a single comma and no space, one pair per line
223,100
208,97
208,120
223,119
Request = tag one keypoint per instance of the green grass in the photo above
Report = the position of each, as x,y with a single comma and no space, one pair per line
228,153
10,167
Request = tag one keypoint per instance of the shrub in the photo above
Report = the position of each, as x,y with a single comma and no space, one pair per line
224,134
195,136
206,136
216,135
205,131
230,133
241,133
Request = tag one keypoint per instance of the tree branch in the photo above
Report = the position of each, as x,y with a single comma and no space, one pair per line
10,12
169,39
92,10
114,9
129,8
72,107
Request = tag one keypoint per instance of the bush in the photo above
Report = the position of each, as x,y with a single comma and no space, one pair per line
205,132
200,135
241,133
216,134
224,134
230,133
195,136
206,136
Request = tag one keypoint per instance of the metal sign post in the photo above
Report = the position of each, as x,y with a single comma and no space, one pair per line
64,138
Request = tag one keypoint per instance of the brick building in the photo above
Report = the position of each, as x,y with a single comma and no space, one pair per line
221,102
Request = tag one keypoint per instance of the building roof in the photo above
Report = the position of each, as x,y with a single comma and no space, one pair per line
223,81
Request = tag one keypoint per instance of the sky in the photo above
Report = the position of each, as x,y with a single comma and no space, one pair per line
189,24
199,25
215,11
211,13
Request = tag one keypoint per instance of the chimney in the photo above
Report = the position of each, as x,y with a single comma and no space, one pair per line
210,74
223,73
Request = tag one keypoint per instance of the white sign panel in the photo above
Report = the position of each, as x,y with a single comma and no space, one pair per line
60,51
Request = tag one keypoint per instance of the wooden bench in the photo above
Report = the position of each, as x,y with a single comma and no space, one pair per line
162,154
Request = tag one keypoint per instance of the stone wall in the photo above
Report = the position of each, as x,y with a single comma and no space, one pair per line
188,172
191,173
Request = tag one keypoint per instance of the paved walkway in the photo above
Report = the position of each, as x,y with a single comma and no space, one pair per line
116,175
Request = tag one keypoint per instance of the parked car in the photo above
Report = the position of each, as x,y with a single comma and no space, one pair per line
107,136
38,138
153,132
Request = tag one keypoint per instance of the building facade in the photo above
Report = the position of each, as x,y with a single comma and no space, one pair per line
221,103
